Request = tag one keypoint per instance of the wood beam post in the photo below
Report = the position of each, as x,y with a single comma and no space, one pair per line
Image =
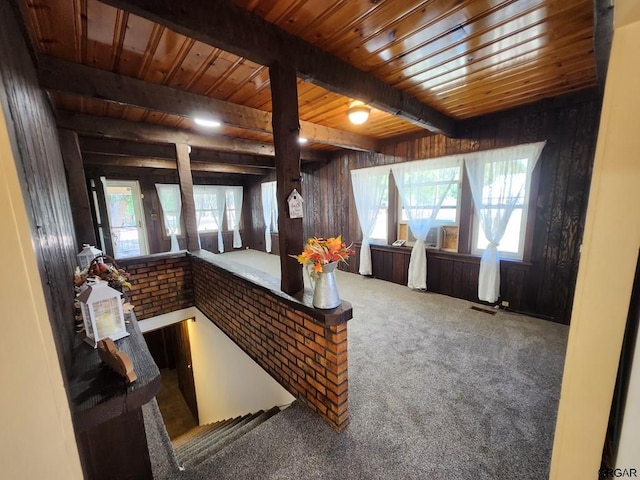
186,195
77,186
284,93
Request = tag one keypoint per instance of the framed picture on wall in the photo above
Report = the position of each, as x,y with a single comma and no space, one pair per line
450,238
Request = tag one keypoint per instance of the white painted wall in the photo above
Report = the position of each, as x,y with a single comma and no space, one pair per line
228,382
166,319
36,434
607,265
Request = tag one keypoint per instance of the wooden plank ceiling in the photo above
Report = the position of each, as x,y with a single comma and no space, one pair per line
455,58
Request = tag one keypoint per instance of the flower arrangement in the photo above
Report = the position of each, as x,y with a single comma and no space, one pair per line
322,251
117,277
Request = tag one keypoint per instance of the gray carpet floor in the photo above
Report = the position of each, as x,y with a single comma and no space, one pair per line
436,390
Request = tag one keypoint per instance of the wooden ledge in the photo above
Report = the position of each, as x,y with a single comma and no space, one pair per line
125,262
98,394
271,284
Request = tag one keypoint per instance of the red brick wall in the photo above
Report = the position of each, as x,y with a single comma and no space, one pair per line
296,344
160,284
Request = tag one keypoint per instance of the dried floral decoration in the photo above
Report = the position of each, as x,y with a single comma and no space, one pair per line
322,251
117,277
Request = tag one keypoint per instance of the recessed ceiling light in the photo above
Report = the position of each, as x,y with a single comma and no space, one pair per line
302,140
206,122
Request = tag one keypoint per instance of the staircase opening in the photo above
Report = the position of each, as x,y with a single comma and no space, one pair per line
195,355
170,349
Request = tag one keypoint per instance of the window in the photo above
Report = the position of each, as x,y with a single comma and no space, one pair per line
208,200
448,213
126,218
431,185
505,183
234,209
171,204
500,181
270,202
379,234
512,243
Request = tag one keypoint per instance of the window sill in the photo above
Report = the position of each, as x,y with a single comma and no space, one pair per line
444,254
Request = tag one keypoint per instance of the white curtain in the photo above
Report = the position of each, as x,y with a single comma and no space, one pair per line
171,205
234,198
423,186
499,181
218,215
210,202
268,202
369,188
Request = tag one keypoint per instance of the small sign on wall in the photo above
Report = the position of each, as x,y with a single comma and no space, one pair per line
295,202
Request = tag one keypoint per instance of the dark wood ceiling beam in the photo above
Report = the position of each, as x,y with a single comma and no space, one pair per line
97,159
126,148
111,146
224,25
71,78
147,133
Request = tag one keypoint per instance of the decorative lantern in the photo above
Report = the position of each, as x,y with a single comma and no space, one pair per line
102,313
87,254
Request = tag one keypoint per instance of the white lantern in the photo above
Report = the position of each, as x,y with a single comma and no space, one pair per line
86,256
102,313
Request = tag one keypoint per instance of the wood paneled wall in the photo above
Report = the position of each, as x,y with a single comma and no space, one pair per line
568,124
37,152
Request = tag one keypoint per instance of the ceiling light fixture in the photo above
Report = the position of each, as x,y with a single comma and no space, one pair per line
302,140
206,122
358,113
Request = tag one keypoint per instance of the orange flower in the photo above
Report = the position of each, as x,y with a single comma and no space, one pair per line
320,251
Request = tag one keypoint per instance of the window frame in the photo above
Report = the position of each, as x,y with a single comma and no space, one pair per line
525,241
229,220
436,223
179,229
217,189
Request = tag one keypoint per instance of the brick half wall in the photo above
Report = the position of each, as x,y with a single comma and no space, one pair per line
303,348
160,283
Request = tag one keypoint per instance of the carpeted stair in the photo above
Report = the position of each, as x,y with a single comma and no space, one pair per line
200,443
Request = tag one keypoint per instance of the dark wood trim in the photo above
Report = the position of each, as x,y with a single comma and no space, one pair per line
107,413
465,222
114,147
72,78
186,382
143,132
224,25
531,211
101,210
161,164
78,193
284,91
450,273
186,195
